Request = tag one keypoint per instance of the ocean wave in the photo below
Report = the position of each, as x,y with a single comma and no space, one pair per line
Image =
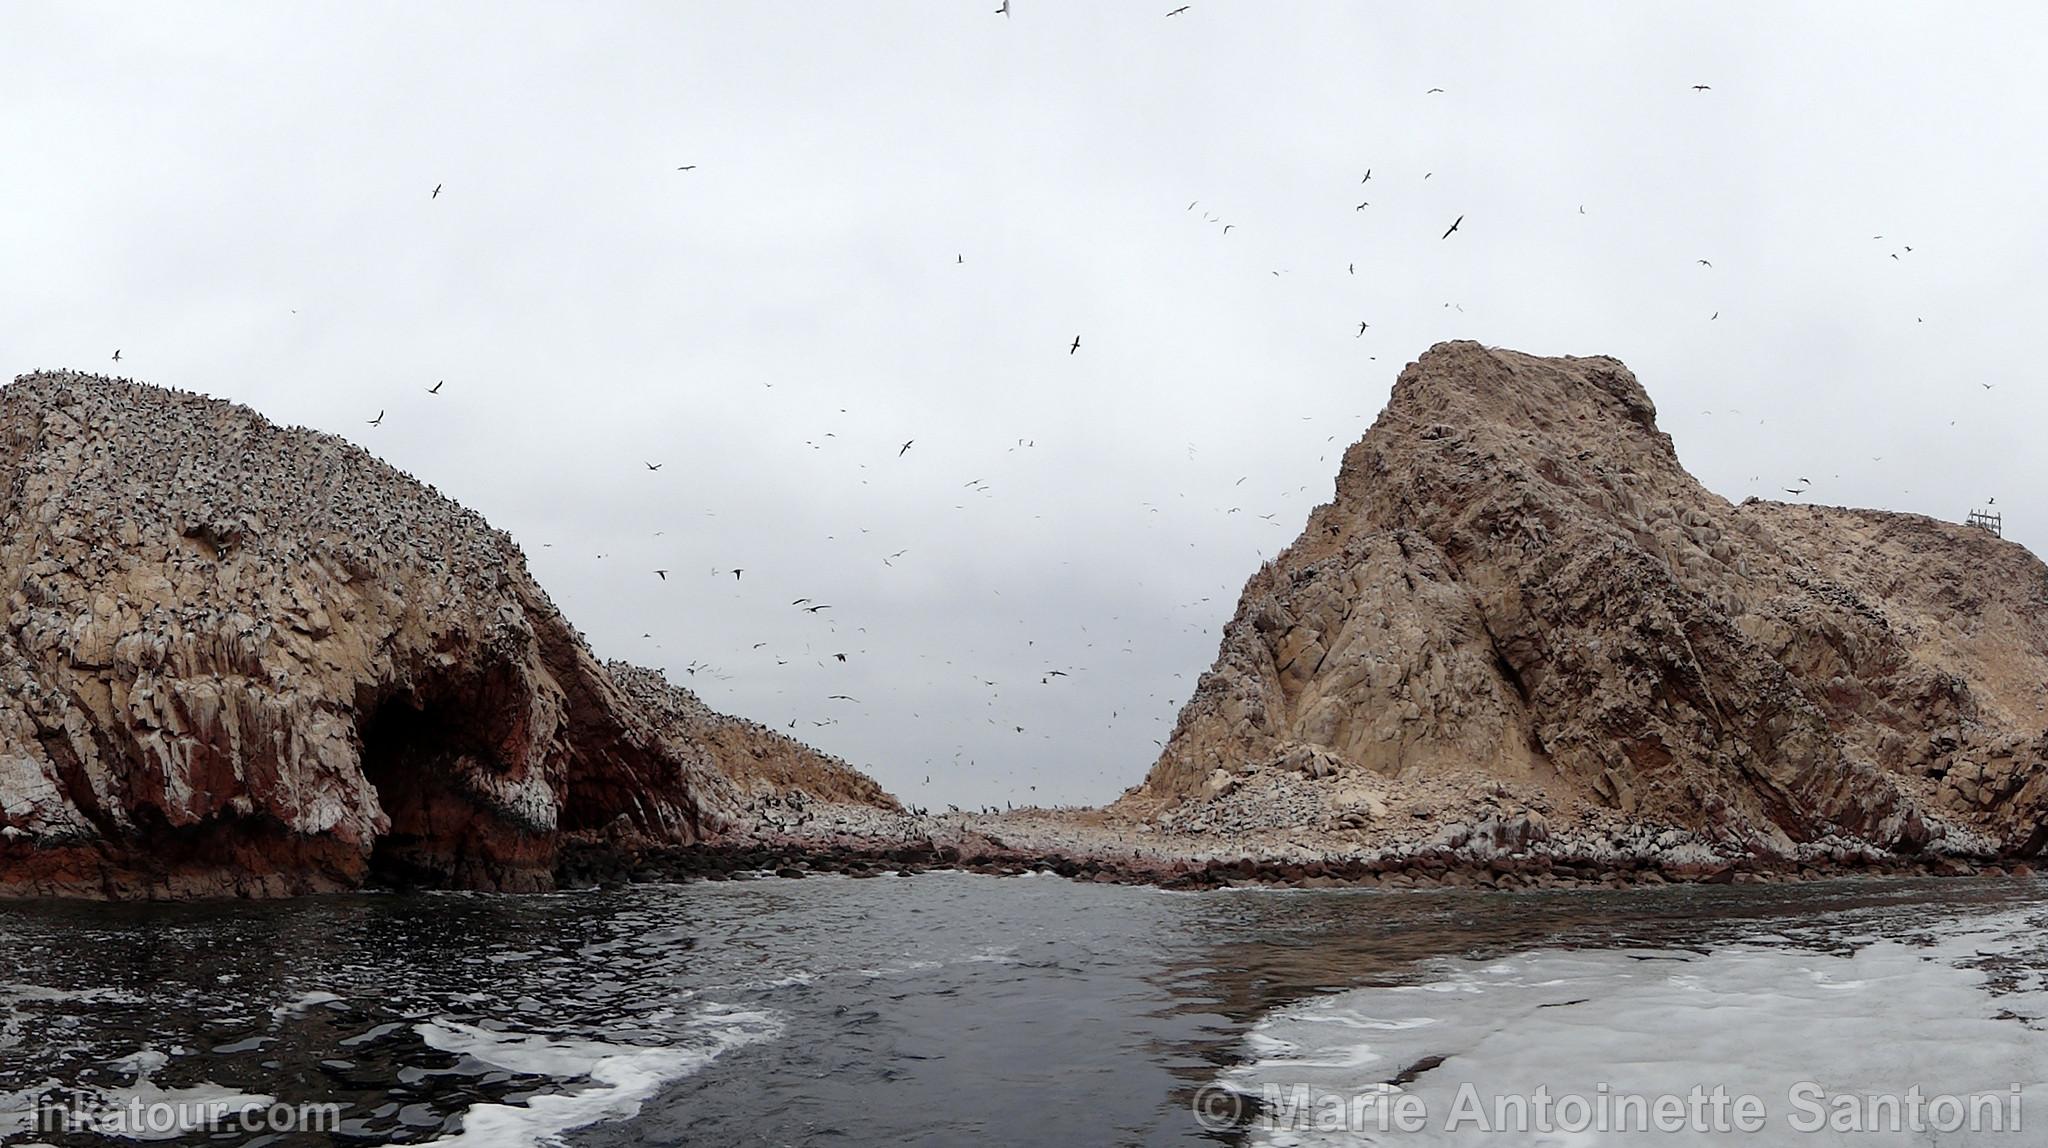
613,1080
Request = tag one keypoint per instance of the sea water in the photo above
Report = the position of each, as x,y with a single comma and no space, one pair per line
948,1009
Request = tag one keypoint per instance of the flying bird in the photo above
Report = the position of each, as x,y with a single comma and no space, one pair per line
652,465
379,420
1368,176
1076,346
1702,263
1004,11
1362,206
688,167
1227,227
841,657
436,388
1432,91
1452,227
117,354
736,574
815,609
437,192
906,448
1702,87
663,573
1362,325
1179,10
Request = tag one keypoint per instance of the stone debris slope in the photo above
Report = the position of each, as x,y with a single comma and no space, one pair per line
759,761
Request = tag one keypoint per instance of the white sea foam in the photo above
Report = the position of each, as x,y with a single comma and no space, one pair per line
611,1080
17,1108
1756,1018
300,1004
168,1113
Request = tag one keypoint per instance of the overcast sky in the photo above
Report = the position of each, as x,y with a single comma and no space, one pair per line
237,197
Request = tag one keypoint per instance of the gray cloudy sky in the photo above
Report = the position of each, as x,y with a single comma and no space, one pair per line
237,197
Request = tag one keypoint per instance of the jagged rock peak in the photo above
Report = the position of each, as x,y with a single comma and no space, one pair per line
1517,582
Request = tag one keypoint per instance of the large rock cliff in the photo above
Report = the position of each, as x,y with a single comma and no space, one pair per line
1518,584
248,659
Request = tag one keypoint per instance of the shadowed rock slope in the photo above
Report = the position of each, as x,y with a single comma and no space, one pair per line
757,760
1518,584
248,659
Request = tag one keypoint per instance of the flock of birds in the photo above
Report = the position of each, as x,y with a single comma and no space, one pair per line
825,651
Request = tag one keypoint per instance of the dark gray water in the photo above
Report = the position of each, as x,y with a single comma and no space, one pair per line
941,1009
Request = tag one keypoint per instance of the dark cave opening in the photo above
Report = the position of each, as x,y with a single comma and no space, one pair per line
455,760
414,748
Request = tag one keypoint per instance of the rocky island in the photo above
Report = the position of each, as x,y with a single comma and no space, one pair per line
1522,629
1520,646
245,659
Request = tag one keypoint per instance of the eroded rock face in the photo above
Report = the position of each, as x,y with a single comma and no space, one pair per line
1518,580
248,659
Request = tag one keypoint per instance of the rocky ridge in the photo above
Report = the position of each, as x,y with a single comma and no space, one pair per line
248,659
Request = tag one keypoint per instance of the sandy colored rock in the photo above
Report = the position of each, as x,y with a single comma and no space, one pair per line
1518,584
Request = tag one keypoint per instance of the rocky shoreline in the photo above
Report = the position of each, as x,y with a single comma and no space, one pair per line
580,869
1514,853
